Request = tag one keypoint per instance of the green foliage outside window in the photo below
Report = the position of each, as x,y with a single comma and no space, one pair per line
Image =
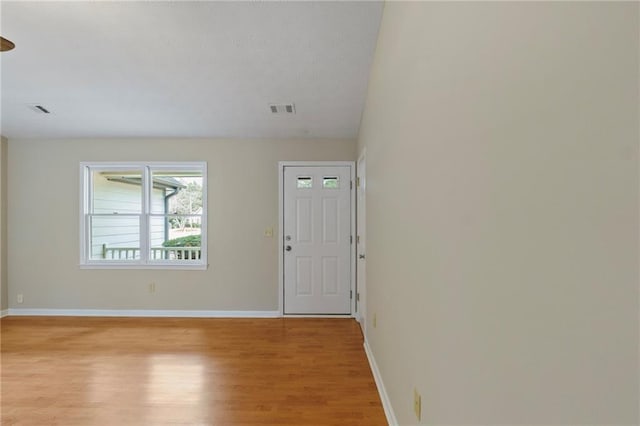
188,241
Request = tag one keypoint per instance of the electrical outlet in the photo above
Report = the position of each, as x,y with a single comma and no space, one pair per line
417,404
20,298
268,233
375,320
152,287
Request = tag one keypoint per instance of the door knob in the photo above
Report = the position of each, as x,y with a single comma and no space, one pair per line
288,248
361,256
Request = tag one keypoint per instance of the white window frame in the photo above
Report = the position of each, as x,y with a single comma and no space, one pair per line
145,238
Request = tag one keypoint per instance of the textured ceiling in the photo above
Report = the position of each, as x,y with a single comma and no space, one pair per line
186,69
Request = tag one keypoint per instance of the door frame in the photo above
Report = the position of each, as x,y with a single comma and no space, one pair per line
352,251
361,282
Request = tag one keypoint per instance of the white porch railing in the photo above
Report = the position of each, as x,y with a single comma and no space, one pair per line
157,253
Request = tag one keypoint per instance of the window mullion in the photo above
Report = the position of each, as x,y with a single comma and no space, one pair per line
145,238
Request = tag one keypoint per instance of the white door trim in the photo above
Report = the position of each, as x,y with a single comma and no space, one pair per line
361,283
352,251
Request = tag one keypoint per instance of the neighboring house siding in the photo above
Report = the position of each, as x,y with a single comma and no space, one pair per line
157,224
124,198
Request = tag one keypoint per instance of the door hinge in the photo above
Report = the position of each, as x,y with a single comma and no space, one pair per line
350,239
351,184
358,239
357,297
350,294
358,182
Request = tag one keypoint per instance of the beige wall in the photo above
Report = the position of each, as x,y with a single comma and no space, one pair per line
243,201
4,288
502,160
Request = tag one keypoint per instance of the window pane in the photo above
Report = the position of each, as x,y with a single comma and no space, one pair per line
304,182
330,182
176,192
176,238
117,192
115,237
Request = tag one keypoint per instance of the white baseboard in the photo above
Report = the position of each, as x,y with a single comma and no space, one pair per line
384,397
4,313
316,316
141,313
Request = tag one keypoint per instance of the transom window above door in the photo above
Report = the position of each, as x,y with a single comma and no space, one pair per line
143,215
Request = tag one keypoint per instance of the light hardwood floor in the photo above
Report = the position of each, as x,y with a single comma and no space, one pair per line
143,371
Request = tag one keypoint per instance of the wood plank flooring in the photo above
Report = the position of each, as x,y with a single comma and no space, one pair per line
150,371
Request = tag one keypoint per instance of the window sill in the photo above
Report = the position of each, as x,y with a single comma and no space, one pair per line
199,267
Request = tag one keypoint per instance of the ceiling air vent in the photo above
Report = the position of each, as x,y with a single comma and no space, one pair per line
39,109
282,108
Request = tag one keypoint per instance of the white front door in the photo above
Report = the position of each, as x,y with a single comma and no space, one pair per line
317,240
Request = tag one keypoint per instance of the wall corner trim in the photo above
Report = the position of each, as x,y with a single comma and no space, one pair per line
141,313
384,397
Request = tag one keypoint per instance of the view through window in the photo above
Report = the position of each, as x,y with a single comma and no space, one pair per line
147,214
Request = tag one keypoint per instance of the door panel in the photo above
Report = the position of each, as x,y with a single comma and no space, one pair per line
304,220
304,276
330,225
317,230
